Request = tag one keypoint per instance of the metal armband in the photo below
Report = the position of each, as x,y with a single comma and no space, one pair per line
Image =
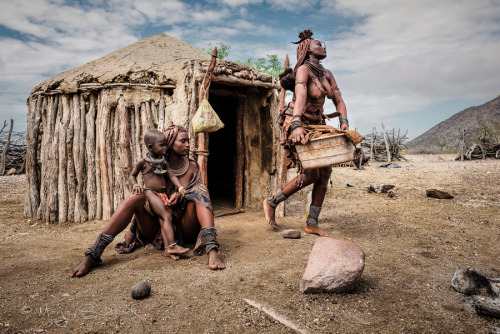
343,119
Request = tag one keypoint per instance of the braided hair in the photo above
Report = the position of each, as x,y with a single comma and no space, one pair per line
287,78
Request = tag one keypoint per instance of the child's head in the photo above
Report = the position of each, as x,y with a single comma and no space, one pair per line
156,142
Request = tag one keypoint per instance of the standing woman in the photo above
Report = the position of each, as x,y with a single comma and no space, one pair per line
312,84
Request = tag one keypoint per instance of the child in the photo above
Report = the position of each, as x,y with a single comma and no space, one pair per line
153,167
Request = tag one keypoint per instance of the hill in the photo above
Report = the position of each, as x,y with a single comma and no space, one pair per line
448,131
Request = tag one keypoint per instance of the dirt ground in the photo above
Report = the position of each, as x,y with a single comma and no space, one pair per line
413,245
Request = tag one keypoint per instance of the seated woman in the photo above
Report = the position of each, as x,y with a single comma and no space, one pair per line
192,213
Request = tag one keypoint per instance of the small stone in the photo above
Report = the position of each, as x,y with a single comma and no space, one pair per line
39,330
498,284
316,320
65,294
333,266
291,234
468,281
141,290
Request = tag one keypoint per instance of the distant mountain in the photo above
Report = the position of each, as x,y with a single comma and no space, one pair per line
473,119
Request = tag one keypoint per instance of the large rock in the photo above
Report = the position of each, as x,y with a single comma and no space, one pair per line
333,266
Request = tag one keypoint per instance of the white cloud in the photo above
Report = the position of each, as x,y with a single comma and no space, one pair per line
405,56
292,5
238,3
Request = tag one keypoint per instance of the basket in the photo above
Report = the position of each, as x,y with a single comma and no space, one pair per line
325,151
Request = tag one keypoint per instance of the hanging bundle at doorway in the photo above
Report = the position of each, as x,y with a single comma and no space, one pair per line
205,119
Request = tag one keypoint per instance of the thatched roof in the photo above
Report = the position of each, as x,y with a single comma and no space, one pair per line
156,60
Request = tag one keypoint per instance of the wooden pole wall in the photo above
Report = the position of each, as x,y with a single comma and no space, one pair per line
80,151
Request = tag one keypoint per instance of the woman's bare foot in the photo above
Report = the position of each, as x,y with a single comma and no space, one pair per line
316,230
84,267
214,261
176,249
269,211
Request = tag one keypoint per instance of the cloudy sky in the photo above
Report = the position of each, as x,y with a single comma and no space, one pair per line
410,64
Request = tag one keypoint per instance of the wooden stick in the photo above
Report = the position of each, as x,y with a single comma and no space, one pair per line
193,102
232,80
6,148
239,168
124,154
62,190
149,116
386,144
117,177
32,198
47,137
137,135
104,152
70,165
90,155
154,112
51,210
269,311
371,144
161,113
98,183
282,169
79,158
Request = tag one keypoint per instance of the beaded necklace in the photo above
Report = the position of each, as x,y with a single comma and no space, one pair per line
183,169
159,164
317,69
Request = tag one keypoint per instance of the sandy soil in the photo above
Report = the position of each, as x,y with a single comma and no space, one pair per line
413,245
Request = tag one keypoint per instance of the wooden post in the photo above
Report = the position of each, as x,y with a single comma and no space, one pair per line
371,145
6,148
386,145
240,157
105,151
282,170
203,137
462,147
90,156
124,153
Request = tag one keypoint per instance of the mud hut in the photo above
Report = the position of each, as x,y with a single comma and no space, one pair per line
85,128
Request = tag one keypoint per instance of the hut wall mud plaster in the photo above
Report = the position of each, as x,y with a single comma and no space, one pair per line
86,125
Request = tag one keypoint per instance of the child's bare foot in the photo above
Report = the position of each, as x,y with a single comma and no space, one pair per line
214,261
176,249
269,211
83,267
316,230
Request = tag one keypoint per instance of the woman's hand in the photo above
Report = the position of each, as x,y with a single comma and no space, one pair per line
344,127
298,135
174,199
137,190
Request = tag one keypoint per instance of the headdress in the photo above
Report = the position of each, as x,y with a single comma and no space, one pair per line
171,134
304,42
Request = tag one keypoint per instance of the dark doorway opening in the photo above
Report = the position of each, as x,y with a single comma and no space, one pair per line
222,147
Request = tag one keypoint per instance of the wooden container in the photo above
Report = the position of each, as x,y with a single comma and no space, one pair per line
325,151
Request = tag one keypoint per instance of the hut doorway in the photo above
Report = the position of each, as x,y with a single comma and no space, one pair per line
222,148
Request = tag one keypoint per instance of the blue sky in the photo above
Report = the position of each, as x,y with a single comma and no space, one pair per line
409,64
